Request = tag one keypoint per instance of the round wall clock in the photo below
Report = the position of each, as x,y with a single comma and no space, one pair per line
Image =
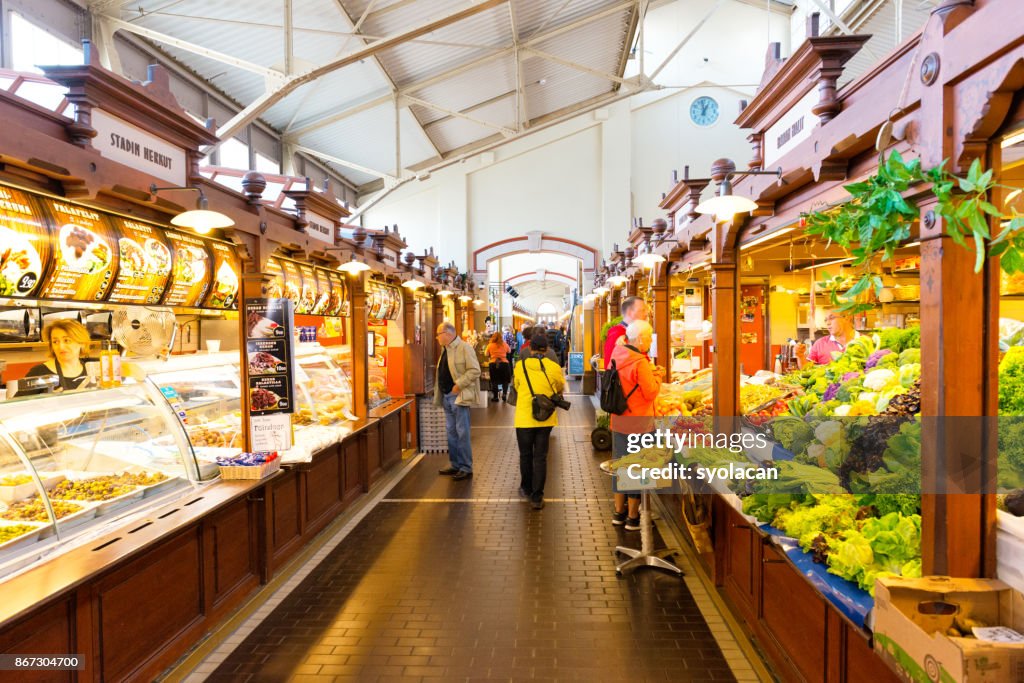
704,111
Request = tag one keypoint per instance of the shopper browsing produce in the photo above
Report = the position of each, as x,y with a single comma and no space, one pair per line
543,375
840,333
497,354
65,342
641,381
456,389
632,308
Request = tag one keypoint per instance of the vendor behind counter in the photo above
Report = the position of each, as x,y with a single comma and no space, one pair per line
66,340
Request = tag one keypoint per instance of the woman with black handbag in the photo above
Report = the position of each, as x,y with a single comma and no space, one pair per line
536,381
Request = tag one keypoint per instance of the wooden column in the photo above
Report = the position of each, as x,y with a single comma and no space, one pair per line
615,302
661,317
959,323
955,314
725,296
360,351
413,351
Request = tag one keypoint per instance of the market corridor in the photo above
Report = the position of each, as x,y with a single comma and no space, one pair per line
457,581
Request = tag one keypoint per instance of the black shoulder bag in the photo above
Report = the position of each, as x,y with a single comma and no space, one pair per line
543,407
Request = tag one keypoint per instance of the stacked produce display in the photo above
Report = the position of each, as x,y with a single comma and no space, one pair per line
845,442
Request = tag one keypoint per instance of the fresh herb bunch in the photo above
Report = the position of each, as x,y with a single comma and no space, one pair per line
877,219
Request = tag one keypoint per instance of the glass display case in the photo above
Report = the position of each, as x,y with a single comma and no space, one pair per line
72,462
205,392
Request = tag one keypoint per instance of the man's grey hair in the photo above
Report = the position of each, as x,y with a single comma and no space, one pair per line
447,327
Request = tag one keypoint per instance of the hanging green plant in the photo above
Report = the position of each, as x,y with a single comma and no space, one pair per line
877,220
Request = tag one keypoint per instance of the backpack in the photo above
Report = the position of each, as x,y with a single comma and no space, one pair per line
613,400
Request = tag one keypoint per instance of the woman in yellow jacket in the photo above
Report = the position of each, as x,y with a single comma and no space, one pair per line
533,435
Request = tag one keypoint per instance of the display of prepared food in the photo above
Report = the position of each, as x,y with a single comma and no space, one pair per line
34,510
104,487
203,436
10,532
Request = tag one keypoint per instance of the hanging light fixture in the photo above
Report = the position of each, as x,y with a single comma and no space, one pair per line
648,259
725,203
465,297
200,219
478,302
617,280
413,284
601,291
353,267
445,292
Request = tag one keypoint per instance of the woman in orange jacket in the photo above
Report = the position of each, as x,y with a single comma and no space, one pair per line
641,382
497,353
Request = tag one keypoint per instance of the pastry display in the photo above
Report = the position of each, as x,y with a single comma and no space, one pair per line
15,480
33,510
207,437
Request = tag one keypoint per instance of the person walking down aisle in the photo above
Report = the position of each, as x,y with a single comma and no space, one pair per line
538,374
499,369
641,382
456,390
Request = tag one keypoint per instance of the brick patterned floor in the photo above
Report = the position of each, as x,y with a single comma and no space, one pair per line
461,581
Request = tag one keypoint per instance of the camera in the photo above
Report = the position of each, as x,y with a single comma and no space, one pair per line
560,402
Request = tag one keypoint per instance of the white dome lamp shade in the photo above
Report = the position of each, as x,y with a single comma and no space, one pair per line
201,219
725,204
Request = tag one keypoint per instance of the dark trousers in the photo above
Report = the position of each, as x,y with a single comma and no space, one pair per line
499,377
533,459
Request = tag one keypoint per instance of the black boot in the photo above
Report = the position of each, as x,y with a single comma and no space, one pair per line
494,397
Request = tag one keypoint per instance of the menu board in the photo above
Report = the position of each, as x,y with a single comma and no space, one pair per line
383,302
85,251
145,263
275,288
226,268
323,289
307,298
292,281
190,272
24,245
339,304
268,334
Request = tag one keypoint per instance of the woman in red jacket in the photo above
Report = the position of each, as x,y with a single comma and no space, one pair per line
641,381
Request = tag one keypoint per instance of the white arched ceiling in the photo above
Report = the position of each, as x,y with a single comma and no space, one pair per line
533,246
553,277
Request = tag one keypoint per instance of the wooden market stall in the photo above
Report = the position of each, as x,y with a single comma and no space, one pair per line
71,187
951,94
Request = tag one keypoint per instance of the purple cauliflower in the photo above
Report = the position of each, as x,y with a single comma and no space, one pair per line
851,375
875,357
831,392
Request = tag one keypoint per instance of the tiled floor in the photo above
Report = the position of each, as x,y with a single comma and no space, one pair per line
462,581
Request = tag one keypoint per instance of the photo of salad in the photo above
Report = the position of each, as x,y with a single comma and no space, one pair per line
18,258
190,267
82,250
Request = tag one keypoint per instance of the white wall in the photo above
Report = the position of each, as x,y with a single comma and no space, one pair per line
554,189
587,178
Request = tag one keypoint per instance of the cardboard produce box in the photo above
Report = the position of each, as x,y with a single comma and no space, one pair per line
912,618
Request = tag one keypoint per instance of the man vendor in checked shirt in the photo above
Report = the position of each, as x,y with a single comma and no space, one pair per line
840,332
